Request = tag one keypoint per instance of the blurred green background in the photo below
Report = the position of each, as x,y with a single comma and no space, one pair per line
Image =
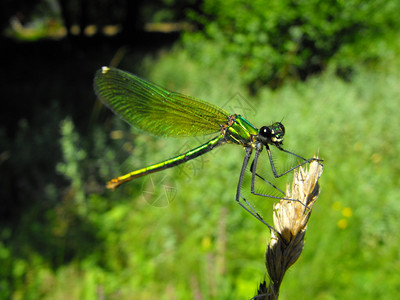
329,69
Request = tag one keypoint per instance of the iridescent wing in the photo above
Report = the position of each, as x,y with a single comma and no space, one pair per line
154,109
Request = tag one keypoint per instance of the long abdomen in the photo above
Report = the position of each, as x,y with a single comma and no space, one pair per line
172,162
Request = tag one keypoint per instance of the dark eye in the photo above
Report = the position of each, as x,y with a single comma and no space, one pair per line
272,135
266,132
281,128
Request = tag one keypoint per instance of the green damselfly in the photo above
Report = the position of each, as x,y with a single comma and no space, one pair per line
160,112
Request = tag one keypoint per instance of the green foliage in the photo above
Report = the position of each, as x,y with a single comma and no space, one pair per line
73,158
75,240
274,40
202,243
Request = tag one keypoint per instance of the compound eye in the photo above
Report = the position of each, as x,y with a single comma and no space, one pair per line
281,128
266,132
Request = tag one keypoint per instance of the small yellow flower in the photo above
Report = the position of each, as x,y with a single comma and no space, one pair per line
347,212
343,223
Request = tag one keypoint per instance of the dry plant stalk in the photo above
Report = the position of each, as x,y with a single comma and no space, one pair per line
290,222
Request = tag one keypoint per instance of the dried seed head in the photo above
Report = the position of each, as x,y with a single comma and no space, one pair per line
290,222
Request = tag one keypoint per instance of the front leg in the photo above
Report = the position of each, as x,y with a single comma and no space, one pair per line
253,169
246,205
291,169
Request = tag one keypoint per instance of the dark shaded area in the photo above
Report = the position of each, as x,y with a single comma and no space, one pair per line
45,82
35,73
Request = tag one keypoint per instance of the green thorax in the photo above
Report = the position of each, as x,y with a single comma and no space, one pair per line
241,131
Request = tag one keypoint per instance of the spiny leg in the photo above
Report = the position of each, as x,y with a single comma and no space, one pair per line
291,169
254,174
248,208
253,169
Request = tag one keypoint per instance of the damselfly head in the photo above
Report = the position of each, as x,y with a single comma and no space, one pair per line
272,134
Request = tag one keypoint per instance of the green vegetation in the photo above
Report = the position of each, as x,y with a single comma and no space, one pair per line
123,248
274,40
80,241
